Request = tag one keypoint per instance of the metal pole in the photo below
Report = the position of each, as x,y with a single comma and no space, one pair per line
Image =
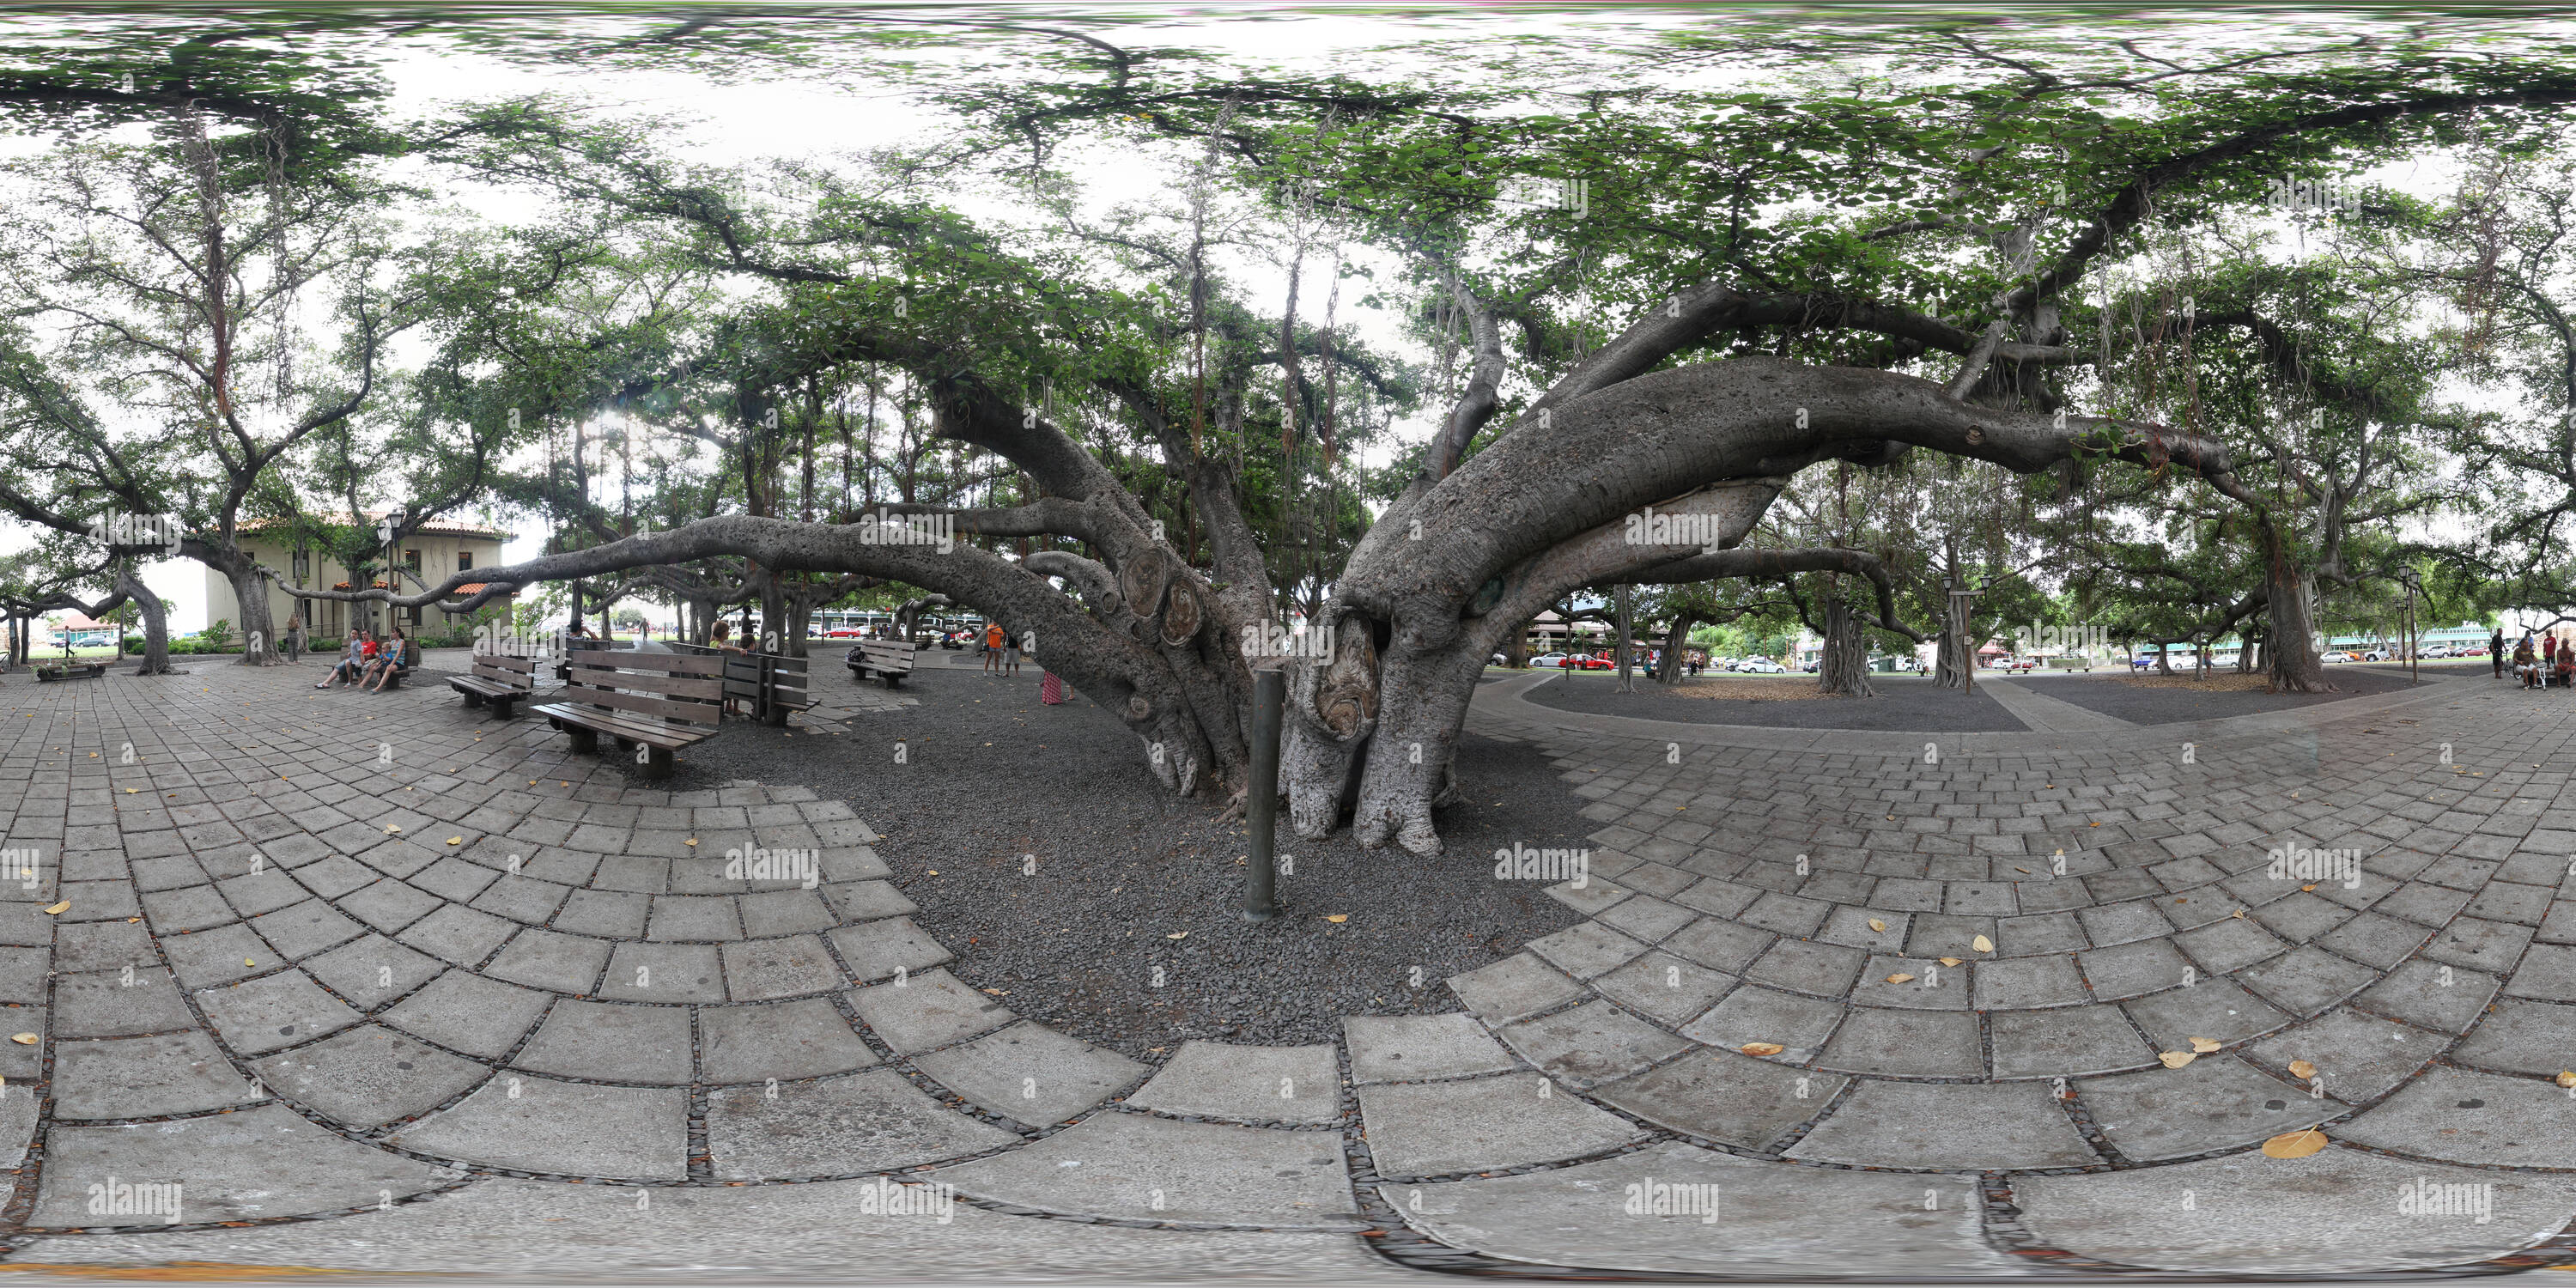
1261,807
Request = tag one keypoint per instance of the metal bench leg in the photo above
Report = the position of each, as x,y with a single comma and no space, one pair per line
584,741
501,706
472,699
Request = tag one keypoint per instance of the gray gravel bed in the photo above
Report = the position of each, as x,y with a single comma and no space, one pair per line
2155,706
1906,702
993,776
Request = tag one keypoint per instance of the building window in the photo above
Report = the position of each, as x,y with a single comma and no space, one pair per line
411,560
464,560
411,616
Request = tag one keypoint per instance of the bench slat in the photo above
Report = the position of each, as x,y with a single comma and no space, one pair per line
692,712
677,686
665,736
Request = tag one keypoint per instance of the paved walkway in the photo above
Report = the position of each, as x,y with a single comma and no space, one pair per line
2048,713
379,984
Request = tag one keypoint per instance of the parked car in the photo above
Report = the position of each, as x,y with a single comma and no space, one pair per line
2019,664
1548,659
844,633
2340,655
1762,666
2378,655
2143,662
1498,660
2432,651
1812,667
1597,662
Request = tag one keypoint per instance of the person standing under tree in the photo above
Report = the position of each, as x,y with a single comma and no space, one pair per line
2495,650
993,634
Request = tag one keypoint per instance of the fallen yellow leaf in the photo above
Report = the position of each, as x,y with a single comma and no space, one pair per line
59,909
1954,961
391,828
2302,1069
24,1039
456,840
1178,935
2176,1059
1982,944
248,962
2296,1144
2239,914
2305,888
1900,978
1761,1048
2205,1045
691,841
2566,1079
1338,917
1878,925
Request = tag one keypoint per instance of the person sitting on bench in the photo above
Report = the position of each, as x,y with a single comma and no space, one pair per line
394,657
353,660
2525,667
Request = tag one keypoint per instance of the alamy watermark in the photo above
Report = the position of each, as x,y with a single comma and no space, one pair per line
2424,1196
1573,195
1647,528
1270,639
137,530
116,1198
2308,196
1522,863
2064,641
743,863
1651,1197
884,529
881,1197
2295,864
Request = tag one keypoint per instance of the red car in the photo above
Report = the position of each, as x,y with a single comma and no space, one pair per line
1601,663
843,633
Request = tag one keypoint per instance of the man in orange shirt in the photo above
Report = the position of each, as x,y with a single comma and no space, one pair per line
992,648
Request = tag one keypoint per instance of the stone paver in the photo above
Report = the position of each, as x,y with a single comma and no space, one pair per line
1739,1218
2334,1212
867,1122
1262,1084
1161,1169
1511,1120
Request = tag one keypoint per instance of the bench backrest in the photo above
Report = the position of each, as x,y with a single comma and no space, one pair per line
888,653
674,687
765,678
507,668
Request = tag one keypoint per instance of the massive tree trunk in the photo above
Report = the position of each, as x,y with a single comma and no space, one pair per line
2292,640
1676,639
156,623
1842,666
257,632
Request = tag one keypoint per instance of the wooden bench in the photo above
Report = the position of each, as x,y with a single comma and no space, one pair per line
499,680
890,659
652,703
770,685
72,671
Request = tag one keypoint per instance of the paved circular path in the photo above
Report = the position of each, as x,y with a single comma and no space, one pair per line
374,959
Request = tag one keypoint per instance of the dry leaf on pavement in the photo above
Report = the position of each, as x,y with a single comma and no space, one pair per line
2296,1144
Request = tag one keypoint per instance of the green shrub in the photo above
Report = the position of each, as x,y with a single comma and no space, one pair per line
219,634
